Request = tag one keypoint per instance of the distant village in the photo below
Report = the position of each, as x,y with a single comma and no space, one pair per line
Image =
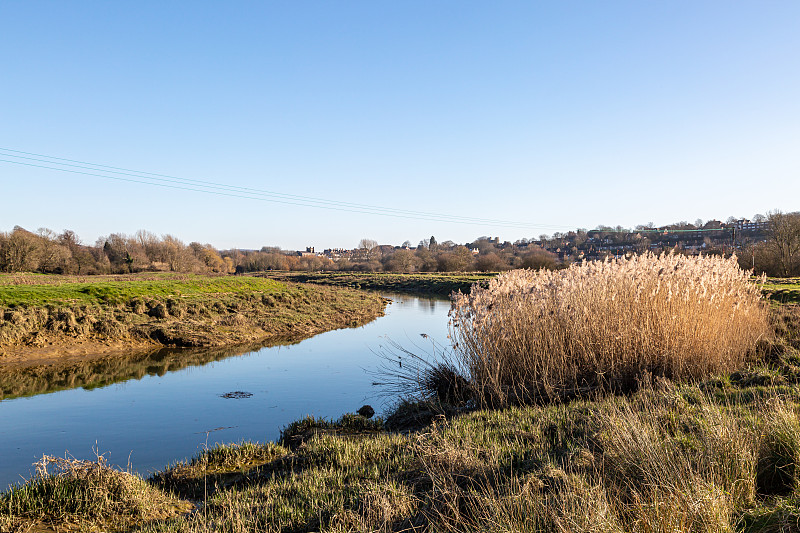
713,236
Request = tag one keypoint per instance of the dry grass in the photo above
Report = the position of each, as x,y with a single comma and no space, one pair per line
655,462
779,451
69,491
546,334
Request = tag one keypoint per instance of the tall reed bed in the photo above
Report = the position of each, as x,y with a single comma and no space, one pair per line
532,335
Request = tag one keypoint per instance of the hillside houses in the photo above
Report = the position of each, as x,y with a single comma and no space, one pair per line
490,253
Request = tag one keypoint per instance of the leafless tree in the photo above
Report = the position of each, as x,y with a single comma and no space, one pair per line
784,241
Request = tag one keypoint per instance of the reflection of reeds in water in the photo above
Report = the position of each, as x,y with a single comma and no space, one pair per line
420,373
30,381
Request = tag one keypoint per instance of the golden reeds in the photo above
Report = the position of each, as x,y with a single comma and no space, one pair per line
544,334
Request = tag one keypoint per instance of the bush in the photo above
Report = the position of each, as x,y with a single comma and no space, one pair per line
538,335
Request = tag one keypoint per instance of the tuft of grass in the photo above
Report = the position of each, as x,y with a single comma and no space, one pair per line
89,492
432,375
236,456
300,431
216,467
530,336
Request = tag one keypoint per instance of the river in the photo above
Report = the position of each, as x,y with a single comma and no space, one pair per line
146,416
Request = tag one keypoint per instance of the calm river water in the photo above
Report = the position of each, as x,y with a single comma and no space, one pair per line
152,416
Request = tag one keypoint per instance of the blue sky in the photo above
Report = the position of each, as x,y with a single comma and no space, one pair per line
550,115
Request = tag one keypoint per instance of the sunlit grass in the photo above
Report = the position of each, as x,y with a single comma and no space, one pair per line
39,290
67,490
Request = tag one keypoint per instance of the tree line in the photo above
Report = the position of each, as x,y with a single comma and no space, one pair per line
775,251
48,252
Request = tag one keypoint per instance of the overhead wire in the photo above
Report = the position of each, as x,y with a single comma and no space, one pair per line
209,187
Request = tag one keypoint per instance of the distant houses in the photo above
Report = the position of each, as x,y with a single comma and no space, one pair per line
712,236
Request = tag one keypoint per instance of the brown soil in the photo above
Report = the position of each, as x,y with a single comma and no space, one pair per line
69,351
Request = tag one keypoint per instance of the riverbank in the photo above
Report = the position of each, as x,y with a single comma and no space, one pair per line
437,284
46,319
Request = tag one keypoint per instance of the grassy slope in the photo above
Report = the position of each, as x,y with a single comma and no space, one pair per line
179,310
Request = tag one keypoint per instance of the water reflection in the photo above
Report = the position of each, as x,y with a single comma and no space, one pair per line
29,381
149,409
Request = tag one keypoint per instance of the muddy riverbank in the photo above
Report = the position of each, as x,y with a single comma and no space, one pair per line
48,324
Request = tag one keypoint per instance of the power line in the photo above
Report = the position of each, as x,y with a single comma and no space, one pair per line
220,189
227,193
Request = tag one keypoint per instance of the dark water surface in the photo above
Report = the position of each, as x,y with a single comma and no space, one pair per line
150,416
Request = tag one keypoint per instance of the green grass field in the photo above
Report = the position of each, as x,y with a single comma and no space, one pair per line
43,290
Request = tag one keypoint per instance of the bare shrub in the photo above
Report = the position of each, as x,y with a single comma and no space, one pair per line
545,334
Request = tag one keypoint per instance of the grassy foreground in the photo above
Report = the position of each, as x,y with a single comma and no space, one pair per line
719,455
175,310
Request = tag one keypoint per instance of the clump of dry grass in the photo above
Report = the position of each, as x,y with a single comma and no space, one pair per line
676,472
67,490
545,334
